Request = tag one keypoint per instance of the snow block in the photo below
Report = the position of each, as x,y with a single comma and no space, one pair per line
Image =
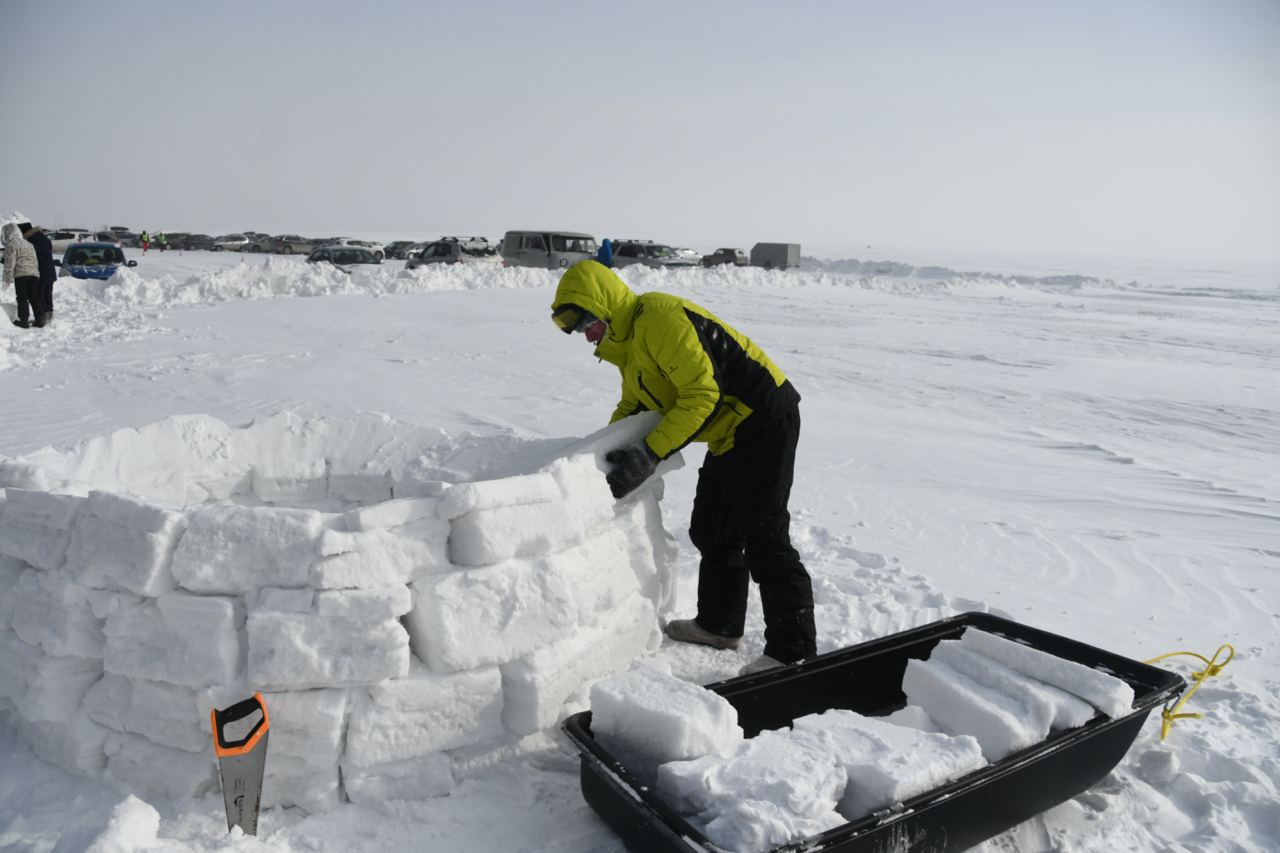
282,600
646,716
123,544
421,714
463,498
962,706
417,778
56,614
304,650
75,745
230,549
1003,687
913,717
887,763
790,769
754,825
535,688
45,509
166,714
359,485
291,781
159,771
41,686
600,573
651,550
35,526
377,558
491,615
186,639
1110,695
487,536
364,605
288,455
390,513
1043,704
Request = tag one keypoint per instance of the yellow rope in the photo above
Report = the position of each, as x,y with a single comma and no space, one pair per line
1211,668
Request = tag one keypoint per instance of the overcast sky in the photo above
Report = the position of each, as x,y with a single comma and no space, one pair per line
1123,127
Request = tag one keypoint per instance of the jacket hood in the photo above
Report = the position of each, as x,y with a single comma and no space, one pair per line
11,233
595,287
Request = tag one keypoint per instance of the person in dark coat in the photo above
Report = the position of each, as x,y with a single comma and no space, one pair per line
48,272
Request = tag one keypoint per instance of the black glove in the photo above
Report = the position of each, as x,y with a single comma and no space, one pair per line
632,465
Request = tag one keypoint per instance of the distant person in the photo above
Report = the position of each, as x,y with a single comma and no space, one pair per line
162,241
48,271
605,255
145,239
713,385
22,270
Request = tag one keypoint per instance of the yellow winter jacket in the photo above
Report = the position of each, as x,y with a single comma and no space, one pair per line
679,359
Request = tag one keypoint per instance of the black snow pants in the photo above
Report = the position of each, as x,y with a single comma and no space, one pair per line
741,528
30,299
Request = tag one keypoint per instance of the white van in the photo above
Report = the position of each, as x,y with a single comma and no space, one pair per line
548,249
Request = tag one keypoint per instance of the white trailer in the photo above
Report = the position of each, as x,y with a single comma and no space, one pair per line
775,256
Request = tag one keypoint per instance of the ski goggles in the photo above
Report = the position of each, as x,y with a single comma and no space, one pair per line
569,318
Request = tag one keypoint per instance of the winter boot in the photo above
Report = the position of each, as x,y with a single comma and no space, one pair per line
760,664
22,324
689,631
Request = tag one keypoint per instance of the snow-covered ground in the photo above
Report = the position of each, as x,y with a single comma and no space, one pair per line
1095,456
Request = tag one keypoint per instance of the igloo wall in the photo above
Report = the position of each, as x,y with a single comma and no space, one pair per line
413,607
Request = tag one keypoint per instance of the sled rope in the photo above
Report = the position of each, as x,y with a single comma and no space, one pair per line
1211,668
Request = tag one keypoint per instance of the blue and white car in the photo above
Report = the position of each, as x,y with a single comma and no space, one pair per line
93,260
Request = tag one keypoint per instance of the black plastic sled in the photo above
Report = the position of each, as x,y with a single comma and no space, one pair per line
867,678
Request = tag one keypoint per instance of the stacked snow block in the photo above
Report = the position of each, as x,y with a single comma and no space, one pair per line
413,608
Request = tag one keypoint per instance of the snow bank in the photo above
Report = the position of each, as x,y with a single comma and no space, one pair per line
403,619
270,277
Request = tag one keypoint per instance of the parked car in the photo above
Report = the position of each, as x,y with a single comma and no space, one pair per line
473,245
64,237
629,253
343,257
292,244
229,243
399,248
106,237
193,241
378,249
97,260
256,242
737,257
548,249
449,251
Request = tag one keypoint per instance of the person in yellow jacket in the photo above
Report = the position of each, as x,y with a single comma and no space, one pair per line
712,385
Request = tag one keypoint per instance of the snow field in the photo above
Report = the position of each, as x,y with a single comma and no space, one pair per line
144,590
1091,457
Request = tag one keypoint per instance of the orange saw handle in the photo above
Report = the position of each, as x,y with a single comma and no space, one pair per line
239,711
